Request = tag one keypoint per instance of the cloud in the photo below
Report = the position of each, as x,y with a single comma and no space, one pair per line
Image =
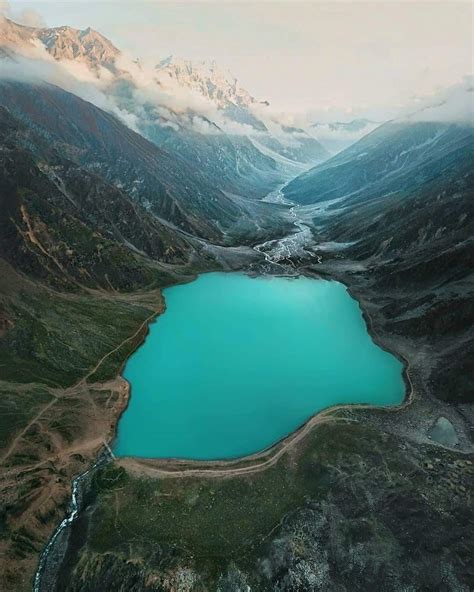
139,101
28,16
142,97
454,104
178,105
36,66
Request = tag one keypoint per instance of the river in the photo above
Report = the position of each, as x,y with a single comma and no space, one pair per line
287,251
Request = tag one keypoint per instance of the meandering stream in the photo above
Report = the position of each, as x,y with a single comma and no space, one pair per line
284,251
46,570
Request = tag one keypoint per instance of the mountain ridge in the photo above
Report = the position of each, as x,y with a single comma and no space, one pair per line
381,157
216,112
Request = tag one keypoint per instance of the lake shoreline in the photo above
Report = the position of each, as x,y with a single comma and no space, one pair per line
264,459
212,467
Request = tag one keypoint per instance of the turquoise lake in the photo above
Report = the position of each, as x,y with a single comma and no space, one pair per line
236,363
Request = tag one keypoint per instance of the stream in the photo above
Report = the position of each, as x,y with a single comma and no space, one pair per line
51,557
283,251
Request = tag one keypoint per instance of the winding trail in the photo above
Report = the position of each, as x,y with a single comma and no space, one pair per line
145,324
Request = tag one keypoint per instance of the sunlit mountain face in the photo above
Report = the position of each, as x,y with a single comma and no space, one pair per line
193,109
340,237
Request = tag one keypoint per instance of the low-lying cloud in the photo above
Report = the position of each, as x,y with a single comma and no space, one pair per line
36,66
142,97
450,105
27,16
138,94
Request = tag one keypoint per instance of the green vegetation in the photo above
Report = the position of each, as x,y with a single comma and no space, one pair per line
358,508
57,339
17,409
188,512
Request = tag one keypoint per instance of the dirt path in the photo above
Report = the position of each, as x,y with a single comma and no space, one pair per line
73,389
18,437
139,467
111,352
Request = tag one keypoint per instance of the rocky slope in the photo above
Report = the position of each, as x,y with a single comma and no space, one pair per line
64,226
396,156
167,187
192,110
352,507
63,43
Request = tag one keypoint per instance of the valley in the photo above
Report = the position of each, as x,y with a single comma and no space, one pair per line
121,184
401,437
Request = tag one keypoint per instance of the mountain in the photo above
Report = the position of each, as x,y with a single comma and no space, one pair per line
225,92
225,129
294,144
165,185
63,43
415,250
162,183
63,225
338,135
193,110
235,161
86,46
396,211
356,125
396,156
212,83
400,203
402,154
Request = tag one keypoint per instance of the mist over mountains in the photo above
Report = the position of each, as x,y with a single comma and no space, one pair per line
176,104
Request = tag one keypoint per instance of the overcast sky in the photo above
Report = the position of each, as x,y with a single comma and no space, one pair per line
363,57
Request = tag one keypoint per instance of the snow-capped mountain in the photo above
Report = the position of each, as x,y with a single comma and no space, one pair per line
62,43
214,84
207,78
224,91
88,46
194,109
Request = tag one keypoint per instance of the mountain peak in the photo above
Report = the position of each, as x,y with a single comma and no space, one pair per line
206,78
85,45
63,43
